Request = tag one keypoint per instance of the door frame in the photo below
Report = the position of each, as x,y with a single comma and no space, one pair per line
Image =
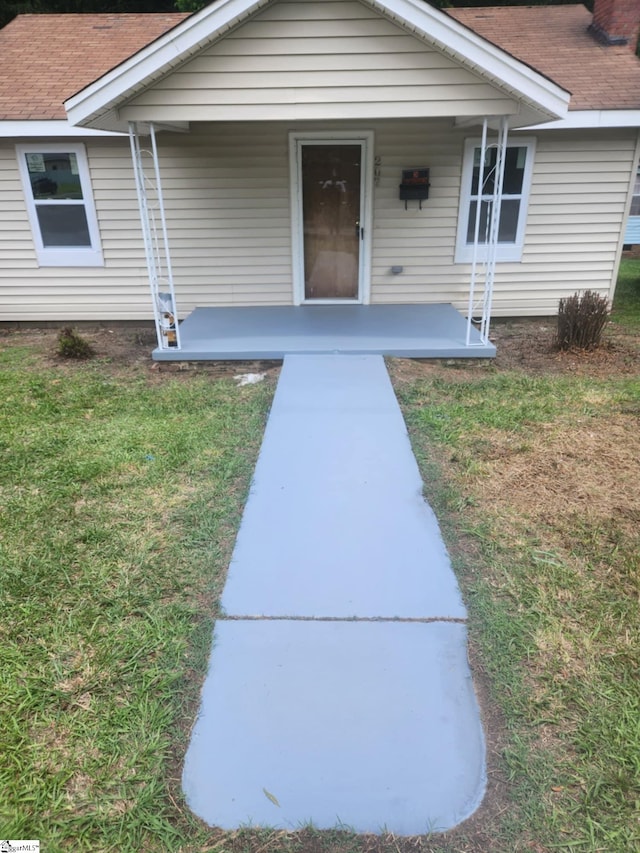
331,137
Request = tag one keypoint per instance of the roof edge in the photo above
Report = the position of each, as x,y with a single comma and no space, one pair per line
153,60
430,24
48,129
590,119
483,56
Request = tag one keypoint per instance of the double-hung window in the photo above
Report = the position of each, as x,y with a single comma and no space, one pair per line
57,189
476,200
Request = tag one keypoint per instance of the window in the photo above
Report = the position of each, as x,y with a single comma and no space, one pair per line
635,201
515,194
57,190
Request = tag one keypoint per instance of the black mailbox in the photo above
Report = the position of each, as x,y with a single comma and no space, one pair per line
415,186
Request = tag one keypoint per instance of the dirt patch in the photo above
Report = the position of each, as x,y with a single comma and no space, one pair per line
128,349
526,344
529,345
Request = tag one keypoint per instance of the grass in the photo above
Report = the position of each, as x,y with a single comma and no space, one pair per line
534,479
119,500
120,493
625,308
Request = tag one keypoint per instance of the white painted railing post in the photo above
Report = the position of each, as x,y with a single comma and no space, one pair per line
476,229
484,255
494,228
156,240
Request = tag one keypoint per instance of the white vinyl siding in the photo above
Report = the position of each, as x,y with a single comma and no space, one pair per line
317,60
116,291
226,193
227,199
420,241
574,227
575,214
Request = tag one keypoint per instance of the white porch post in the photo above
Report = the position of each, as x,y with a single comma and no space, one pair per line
156,241
485,246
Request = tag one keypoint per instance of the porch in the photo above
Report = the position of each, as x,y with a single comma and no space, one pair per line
252,332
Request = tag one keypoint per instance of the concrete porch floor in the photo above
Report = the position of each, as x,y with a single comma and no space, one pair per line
256,332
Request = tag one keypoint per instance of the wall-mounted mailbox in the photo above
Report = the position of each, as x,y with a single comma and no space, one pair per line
415,186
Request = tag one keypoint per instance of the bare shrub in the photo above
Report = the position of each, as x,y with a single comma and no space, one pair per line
581,320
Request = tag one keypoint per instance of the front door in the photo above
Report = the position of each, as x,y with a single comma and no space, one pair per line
331,197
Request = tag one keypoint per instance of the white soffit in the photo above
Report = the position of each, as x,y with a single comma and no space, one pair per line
48,130
577,119
209,24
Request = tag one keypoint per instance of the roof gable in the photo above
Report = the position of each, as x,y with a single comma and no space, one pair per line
97,105
304,59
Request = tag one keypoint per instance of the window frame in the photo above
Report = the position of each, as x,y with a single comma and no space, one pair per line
635,196
62,256
505,252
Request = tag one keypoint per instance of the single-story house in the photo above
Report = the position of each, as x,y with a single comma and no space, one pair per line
328,156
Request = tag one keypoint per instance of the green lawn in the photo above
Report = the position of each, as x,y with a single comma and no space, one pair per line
120,492
627,295
534,477
119,495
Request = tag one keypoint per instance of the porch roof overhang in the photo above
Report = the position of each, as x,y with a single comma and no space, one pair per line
532,97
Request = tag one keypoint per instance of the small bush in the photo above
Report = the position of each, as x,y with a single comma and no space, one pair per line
72,345
581,320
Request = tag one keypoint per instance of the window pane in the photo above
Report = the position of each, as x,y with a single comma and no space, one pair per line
514,171
489,166
63,225
508,229
471,225
54,175
508,220
515,160
635,201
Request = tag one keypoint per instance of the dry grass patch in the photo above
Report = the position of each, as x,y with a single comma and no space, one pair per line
589,468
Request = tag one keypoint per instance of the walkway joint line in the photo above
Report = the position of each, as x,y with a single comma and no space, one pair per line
422,620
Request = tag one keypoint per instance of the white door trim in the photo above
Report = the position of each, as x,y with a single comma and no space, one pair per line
331,137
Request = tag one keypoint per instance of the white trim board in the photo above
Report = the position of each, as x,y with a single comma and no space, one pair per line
577,119
366,139
505,252
50,130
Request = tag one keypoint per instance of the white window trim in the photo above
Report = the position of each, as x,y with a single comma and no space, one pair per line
62,256
504,251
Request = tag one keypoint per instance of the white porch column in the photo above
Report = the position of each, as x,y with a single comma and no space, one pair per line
485,242
156,241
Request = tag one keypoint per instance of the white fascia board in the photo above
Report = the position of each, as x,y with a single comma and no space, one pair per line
153,61
48,130
431,25
577,119
477,54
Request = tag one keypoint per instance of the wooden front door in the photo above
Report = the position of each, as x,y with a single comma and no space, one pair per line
331,219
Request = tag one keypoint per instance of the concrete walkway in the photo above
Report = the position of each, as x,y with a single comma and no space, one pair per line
338,690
